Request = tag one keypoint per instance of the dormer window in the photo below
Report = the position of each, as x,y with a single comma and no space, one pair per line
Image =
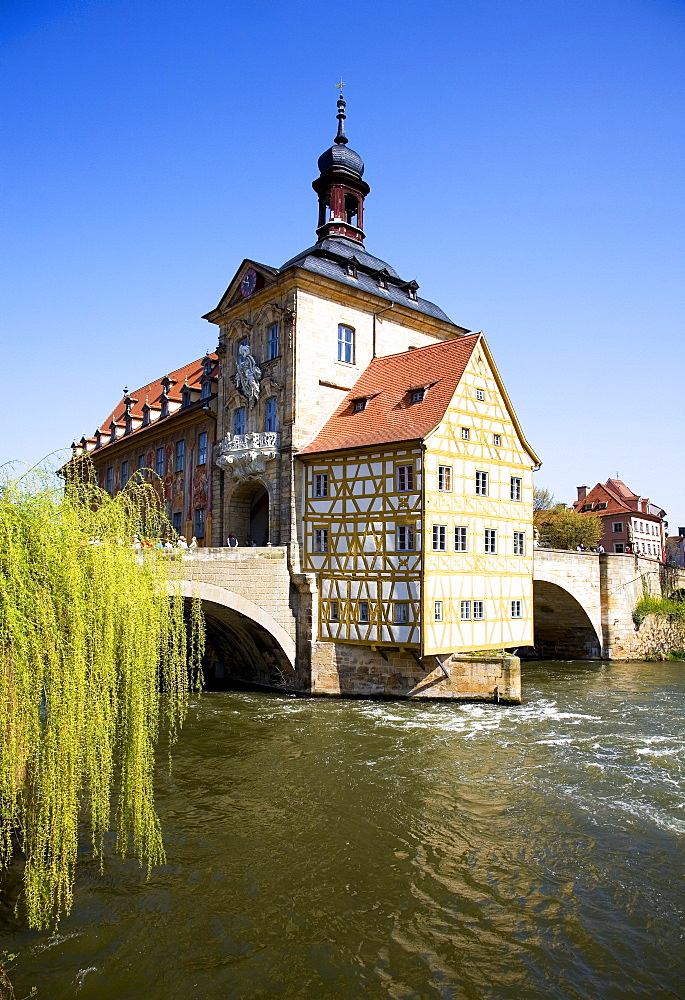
358,405
128,424
146,415
586,506
207,365
411,289
417,395
352,267
382,279
164,411
98,439
206,389
185,396
112,432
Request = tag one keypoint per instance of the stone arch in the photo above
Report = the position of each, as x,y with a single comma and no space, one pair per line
563,627
249,646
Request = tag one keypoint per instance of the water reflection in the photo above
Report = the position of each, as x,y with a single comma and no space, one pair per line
345,849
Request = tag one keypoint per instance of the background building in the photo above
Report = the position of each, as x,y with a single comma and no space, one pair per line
630,523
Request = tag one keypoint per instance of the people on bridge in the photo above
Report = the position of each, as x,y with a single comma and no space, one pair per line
232,541
193,544
182,543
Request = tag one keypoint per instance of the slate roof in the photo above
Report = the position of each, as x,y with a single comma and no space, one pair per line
330,258
386,384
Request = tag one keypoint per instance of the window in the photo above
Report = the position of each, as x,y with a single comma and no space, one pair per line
177,521
478,611
439,537
164,406
481,484
496,440
445,478
491,540
480,395
417,395
159,461
180,455
465,611
515,487
239,420
405,537
185,396
202,448
465,433
272,342
124,473
617,527
460,539
128,424
334,612
200,523
270,414
109,479
359,405
587,506
141,462
363,611
517,609
618,546
519,543
321,484
401,613
405,478
346,344
321,540
146,415
206,389
602,506
437,611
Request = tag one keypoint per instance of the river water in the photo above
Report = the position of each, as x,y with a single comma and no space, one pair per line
342,849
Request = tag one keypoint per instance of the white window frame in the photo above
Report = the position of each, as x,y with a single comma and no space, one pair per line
519,543
320,484
497,440
445,478
482,483
404,537
461,538
334,611
406,473
439,538
478,611
401,617
480,395
437,611
490,543
320,539
517,609
466,433
346,338
363,613
515,488
465,611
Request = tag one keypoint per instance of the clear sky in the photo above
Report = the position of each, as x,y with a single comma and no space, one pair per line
525,159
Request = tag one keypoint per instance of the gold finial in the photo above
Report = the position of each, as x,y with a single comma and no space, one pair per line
339,86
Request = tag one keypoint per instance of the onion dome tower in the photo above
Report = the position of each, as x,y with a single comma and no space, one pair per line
340,188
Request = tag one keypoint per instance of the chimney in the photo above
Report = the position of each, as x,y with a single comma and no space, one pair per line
582,492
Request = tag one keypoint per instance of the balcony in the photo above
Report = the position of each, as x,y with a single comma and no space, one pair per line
244,456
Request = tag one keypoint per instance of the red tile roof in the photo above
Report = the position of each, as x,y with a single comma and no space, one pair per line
152,394
386,384
618,497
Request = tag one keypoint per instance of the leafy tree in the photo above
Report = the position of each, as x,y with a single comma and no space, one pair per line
93,661
542,499
562,528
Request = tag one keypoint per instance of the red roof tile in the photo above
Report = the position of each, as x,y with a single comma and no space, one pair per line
386,384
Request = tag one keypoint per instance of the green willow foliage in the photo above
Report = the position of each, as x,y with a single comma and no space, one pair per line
96,657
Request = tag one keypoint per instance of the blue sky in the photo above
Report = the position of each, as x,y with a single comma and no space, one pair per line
525,161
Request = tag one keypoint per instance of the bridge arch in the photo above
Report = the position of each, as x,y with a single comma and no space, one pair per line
245,644
567,622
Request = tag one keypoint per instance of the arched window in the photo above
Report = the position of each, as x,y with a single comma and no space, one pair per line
239,420
351,210
346,344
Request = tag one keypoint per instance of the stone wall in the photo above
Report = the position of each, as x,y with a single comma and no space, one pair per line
358,671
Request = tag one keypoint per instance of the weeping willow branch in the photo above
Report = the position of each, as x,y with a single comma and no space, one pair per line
96,658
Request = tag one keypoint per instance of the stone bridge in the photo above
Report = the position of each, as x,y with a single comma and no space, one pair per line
262,618
584,602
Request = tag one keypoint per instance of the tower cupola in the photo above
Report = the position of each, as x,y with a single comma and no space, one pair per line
340,188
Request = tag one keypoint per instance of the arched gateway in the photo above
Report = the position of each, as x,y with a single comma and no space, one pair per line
567,605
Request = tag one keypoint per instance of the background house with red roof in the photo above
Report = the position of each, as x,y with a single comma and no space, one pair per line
631,523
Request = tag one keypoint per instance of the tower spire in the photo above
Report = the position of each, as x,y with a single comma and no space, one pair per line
341,138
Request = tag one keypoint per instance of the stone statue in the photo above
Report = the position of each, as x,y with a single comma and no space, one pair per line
248,375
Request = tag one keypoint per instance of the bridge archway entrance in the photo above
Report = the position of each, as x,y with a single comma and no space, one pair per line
248,513
562,627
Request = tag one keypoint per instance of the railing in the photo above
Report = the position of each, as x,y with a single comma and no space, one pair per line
253,441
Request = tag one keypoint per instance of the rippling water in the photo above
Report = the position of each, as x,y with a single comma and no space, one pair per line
342,849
